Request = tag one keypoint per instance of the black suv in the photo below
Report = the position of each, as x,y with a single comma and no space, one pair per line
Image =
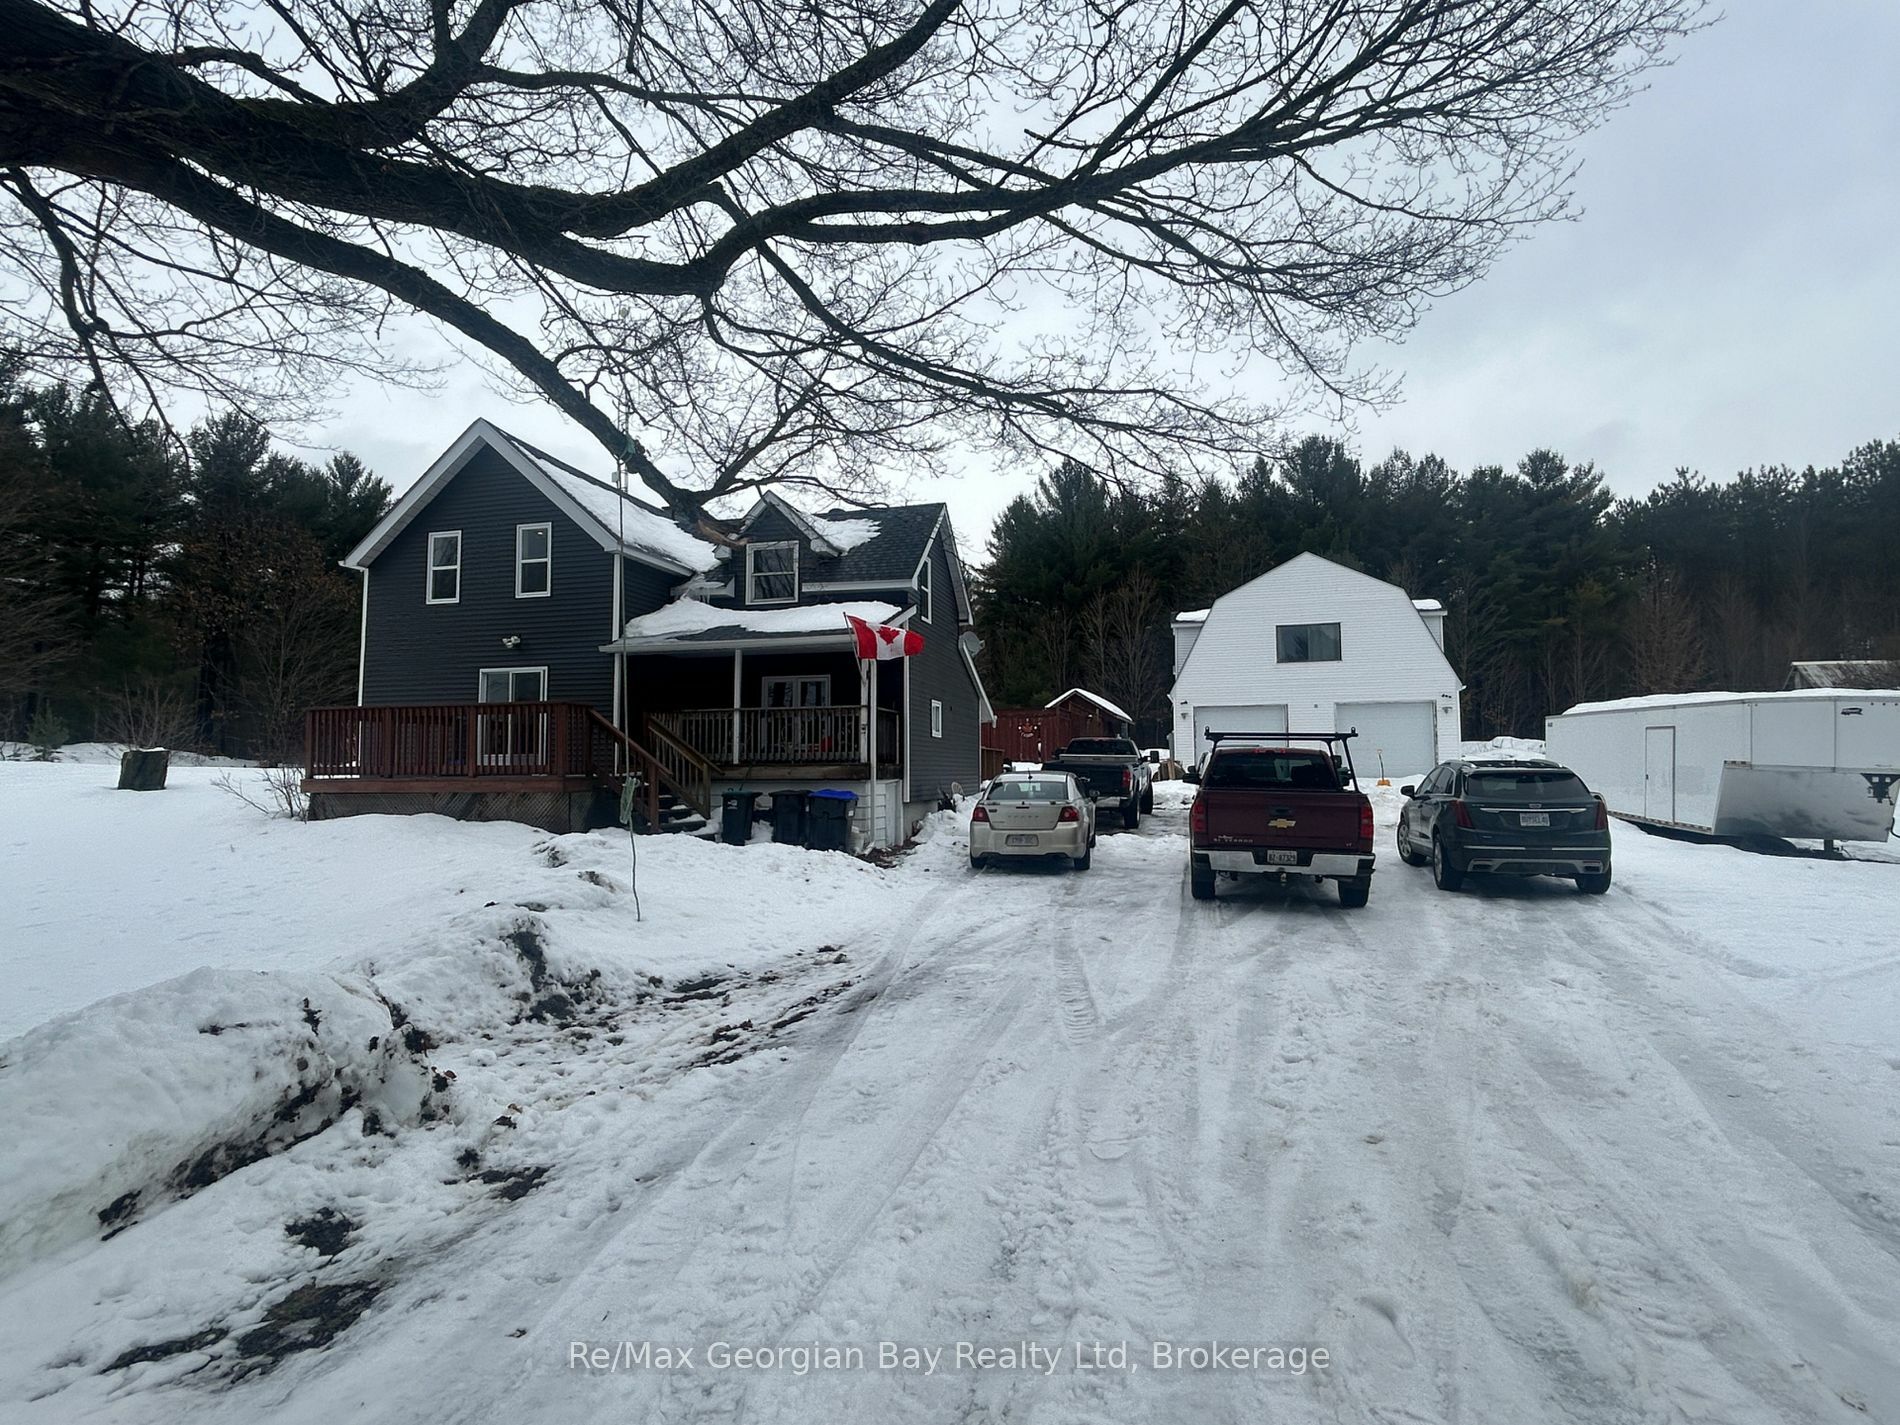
1524,818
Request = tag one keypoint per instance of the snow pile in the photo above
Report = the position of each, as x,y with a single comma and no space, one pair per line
845,535
149,1097
1505,749
95,754
690,616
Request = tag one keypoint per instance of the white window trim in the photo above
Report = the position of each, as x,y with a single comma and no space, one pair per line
794,679
521,529
481,677
751,598
926,596
429,566
936,717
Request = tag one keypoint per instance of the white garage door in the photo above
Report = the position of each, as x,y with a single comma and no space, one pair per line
1399,734
1261,717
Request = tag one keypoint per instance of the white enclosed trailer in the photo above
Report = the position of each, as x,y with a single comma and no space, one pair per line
1816,762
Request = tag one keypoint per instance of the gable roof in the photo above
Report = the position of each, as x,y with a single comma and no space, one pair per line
878,548
1101,702
1201,655
612,519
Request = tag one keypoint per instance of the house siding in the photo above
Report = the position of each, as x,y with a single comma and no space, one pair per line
940,672
418,652
1388,653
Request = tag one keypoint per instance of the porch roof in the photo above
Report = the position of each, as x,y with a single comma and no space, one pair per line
689,625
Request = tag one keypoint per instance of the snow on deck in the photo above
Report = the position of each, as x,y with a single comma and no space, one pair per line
1511,1154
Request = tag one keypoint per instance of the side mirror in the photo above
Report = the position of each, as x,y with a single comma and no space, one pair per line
1408,790
1191,774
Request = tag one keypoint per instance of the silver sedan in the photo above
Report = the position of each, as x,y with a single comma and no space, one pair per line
1032,815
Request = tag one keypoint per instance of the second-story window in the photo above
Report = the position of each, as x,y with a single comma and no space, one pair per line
1309,642
534,560
772,573
445,568
923,590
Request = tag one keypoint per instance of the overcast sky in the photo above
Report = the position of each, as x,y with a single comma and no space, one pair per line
1728,296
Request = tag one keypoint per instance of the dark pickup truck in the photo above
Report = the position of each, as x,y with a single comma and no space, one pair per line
1114,772
1267,808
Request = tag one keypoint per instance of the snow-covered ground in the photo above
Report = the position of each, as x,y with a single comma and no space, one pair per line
441,1116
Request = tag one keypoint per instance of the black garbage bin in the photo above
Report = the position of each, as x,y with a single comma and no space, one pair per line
788,818
828,817
735,821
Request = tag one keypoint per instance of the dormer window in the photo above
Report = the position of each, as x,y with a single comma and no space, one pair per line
771,573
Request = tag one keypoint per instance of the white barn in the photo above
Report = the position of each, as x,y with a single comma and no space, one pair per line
1312,646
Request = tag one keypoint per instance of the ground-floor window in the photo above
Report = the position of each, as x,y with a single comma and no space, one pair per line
514,685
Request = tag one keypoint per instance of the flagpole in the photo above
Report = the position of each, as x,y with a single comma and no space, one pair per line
870,747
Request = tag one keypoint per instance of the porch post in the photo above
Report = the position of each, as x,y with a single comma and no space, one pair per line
870,752
738,664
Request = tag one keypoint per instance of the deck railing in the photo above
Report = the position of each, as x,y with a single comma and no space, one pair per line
450,740
445,741
790,737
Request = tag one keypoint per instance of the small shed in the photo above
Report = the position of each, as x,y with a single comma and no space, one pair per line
1037,734
1859,673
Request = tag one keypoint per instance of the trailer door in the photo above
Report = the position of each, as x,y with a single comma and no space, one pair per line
1659,773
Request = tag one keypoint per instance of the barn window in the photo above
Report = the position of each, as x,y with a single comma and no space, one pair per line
1309,642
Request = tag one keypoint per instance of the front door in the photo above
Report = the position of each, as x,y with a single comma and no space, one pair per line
515,736
792,729
1659,773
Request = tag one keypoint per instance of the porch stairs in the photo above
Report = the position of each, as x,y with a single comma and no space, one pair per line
677,818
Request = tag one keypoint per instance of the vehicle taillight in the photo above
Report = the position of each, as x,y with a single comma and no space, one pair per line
1197,819
1603,815
982,813
1365,822
1461,813
1068,814
1128,779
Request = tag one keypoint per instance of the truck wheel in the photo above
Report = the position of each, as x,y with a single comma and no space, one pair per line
1446,876
1200,880
1131,813
977,863
1148,802
1594,885
1082,861
1355,892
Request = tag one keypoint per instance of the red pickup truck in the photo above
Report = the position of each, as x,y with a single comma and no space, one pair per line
1270,809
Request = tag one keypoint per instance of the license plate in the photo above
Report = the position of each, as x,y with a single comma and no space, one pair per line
1282,858
1019,841
1533,818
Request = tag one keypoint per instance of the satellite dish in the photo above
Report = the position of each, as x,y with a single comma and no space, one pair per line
970,643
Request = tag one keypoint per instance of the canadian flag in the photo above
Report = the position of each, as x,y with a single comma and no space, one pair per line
883,640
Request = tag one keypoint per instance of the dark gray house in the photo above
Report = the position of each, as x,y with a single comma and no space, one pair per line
531,636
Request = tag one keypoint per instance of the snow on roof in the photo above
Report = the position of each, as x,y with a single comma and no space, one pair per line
640,529
1099,701
1670,700
1193,616
679,621
845,535
1428,606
